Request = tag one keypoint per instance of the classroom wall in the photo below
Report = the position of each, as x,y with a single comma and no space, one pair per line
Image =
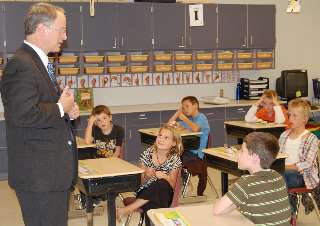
297,46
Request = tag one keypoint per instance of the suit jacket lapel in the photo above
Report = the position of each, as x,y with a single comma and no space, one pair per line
41,67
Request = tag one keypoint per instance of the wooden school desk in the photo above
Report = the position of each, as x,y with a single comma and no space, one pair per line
109,177
227,162
240,129
202,215
190,140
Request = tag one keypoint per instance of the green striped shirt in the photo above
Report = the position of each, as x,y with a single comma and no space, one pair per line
262,197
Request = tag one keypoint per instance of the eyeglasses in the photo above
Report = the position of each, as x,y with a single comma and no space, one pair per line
61,30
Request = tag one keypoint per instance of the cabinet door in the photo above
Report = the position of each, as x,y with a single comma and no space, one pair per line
100,31
204,37
134,22
15,13
261,26
3,164
74,30
236,113
232,26
2,30
169,26
217,133
166,115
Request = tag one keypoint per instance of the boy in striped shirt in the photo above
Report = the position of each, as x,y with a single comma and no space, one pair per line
262,195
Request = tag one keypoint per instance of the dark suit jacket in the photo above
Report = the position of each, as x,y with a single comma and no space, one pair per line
41,148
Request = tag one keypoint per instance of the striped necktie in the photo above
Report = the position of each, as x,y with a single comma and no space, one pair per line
51,72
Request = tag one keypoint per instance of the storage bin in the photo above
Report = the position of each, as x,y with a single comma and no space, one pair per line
116,58
94,70
225,66
138,69
264,54
183,57
184,67
162,57
204,56
264,65
93,59
225,55
244,55
163,68
243,66
117,69
68,59
68,70
138,58
204,67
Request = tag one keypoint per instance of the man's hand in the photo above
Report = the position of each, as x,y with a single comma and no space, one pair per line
66,99
74,112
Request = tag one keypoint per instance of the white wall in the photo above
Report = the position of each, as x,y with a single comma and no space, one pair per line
297,47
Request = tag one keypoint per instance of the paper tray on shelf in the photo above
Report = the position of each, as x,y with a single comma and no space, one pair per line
68,59
93,59
204,56
162,68
94,70
138,69
184,67
244,55
116,58
204,67
138,58
264,65
117,69
162,57
68,70
264,54
184,56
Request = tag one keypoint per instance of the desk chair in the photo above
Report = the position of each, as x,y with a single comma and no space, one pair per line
304,190
187,176
128,200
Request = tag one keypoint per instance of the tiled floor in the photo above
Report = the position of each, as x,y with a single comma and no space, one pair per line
10,214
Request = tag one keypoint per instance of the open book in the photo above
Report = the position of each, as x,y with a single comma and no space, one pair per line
171,218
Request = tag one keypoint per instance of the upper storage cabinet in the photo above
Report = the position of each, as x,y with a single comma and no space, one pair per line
246,26
1,28
232,26
74,30
261,26
134,22
203,37
169,27
15,13
100,32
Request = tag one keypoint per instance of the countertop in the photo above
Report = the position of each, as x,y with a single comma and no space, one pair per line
164,106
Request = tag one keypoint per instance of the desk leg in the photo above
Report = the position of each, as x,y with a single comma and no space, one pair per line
224,183
89,210
111,209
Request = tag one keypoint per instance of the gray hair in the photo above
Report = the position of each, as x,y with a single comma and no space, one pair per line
38,13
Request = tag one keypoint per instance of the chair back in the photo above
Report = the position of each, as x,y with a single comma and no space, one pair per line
209,142
176,192
122,149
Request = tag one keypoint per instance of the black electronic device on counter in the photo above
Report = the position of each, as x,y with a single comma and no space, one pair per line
253,89
292,84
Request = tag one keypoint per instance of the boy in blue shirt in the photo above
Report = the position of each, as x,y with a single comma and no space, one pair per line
190,118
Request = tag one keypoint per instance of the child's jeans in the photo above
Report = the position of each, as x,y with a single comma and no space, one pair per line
293,180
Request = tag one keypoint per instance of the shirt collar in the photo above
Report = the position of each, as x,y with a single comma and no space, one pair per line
41,54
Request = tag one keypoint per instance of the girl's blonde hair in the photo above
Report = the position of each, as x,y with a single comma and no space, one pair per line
269,93
178,148
303,104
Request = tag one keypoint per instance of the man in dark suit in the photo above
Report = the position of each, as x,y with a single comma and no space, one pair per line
42,157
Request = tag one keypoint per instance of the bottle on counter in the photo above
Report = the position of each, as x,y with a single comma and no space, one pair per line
238,90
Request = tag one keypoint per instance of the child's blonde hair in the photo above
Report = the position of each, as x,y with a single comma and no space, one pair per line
303,104
178,148
269,93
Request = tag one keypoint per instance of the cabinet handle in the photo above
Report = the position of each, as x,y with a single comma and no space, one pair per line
114,43
209,114
142,118
251,40
142,115
121,40
240,109
182,43
130,135
245,41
